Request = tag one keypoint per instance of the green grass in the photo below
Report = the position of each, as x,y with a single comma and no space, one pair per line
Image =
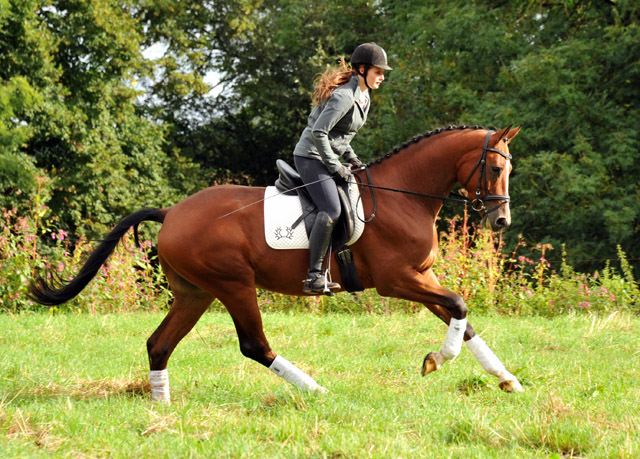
75,386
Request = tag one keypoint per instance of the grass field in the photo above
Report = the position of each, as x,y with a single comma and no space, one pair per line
75,386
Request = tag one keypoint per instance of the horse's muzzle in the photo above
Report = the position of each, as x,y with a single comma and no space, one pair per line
497,218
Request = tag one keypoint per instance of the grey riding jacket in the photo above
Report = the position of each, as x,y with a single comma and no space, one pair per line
332,125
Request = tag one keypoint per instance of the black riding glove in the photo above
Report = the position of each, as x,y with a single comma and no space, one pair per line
342,175
356,163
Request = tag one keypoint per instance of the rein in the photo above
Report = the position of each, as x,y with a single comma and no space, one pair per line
456,196
476,204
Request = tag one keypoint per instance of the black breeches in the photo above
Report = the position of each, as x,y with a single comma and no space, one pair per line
324,193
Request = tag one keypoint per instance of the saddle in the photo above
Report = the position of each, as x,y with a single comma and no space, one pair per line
289,182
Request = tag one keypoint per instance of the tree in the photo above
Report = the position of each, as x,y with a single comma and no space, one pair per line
69,71
576,94
113,130
565,71
17,170
562,69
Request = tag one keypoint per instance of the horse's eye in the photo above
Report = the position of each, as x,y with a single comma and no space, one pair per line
496,170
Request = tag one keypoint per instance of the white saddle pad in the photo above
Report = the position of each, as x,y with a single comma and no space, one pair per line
282,211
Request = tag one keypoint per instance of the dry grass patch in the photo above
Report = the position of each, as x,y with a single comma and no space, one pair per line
21,427
89,389
103,388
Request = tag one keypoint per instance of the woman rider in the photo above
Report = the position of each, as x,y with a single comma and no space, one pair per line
341,103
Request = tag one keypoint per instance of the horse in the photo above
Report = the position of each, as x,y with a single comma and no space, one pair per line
212,246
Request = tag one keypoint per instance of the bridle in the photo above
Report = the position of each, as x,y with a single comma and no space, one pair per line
477,204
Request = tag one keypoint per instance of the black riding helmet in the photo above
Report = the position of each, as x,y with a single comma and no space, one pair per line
369,54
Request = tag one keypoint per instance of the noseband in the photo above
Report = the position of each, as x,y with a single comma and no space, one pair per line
478,204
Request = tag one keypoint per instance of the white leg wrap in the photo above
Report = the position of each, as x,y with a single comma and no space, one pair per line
159,386
282,367
493,365
453,341
488,359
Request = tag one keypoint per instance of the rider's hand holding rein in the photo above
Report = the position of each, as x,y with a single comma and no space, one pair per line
343,175
356,163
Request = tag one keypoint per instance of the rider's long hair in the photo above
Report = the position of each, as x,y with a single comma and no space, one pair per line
326,82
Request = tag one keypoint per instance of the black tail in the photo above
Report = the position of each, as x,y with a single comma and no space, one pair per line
59,291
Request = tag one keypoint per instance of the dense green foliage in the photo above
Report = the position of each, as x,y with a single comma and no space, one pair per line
111,128
68,77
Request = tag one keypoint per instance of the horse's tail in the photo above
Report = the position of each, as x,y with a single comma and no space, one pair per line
58,291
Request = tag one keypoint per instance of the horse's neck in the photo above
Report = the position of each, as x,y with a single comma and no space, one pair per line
429,166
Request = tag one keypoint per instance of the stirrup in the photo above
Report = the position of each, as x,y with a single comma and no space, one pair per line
319,284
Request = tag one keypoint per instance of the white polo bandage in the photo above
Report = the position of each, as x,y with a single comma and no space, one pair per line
282,367
453,341
159,380
486,357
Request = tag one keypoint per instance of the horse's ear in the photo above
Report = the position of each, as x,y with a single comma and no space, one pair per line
513,132
507,133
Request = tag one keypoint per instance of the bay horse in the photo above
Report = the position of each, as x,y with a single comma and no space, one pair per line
212,245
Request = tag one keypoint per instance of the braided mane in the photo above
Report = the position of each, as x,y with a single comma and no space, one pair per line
418,138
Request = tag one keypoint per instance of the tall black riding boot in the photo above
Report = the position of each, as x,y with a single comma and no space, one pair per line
319,241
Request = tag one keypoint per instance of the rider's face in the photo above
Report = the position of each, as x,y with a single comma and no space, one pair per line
375,77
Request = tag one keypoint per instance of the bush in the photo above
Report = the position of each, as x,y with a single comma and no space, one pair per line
471,263
129,281
492,281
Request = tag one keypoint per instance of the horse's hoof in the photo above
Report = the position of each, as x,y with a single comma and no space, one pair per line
510,385
313,386
432,362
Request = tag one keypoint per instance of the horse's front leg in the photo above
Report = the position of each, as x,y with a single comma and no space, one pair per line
493,365
451,309
485,356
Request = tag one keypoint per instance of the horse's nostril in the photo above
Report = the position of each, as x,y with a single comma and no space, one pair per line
502,222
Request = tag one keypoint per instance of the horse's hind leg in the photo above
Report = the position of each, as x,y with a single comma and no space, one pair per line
242,304
188,306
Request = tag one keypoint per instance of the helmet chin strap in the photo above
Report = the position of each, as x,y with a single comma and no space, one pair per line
364,75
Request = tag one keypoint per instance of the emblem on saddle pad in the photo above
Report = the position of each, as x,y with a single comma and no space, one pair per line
284,226
283,233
